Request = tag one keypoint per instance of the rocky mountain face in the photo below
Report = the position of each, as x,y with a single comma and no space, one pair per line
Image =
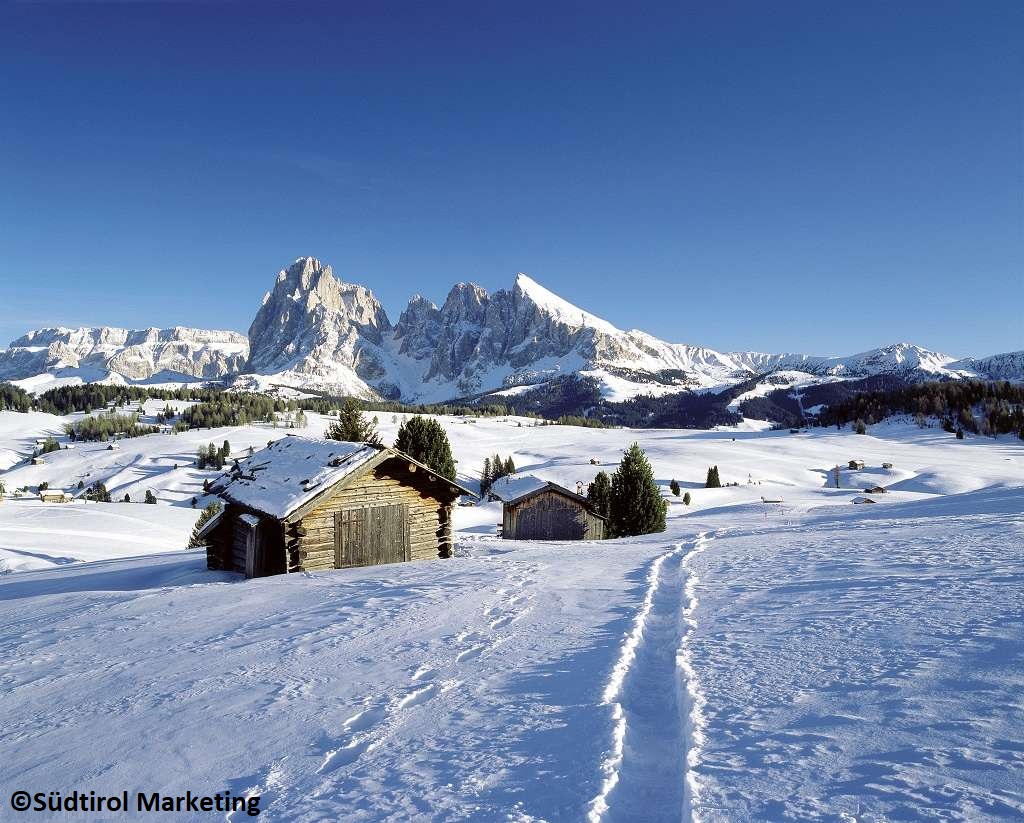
129,354
314,331
318,332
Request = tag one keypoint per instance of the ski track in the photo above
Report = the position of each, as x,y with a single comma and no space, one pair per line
654,679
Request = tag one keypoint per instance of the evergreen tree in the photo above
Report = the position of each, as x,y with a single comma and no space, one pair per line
98,493
859,427
195,502
485,477
81,485
208,513
599,493
150,497
424,439
225,450
127,498
510,466
635,505
713,480
674,486
351,426
687,498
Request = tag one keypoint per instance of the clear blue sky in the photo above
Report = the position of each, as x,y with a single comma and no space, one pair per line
790,176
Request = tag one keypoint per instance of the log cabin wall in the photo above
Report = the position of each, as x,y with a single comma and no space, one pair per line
550,515
310,539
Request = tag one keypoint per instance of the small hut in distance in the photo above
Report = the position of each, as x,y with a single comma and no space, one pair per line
537,509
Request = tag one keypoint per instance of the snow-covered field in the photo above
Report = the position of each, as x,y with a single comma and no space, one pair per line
806,660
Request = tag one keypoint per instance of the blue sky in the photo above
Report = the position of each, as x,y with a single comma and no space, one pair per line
822,177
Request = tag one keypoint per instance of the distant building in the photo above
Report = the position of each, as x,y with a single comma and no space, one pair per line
54,496
863,500
887,465
38,461
856,464
536,509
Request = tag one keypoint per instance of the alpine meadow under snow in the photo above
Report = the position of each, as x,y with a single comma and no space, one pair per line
800,660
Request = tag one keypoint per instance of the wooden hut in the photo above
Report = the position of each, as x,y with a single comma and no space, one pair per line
307,505
536,509
856,464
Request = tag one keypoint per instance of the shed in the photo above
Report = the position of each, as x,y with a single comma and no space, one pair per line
856,464
38,461
875,490
770,499
306,505
887,465
537,509
54,496
863,500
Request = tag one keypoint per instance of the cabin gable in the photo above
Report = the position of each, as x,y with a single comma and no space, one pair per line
550,514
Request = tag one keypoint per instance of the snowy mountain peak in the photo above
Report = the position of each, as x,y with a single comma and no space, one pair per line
557,307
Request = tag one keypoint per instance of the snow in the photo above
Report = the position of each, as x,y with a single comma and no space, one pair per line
511,487
559,308
292,471
810,660
37,535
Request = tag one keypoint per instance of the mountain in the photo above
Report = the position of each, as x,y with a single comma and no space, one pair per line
316,332
124,355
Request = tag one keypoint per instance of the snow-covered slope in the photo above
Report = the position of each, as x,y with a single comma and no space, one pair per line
808,660
124,355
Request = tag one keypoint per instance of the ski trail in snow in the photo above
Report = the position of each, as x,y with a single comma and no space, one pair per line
652,680
692,700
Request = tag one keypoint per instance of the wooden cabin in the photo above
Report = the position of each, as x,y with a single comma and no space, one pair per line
536,509
856,464
54,496
308,505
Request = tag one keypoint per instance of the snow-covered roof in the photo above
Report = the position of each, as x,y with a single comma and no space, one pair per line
291,471
515,487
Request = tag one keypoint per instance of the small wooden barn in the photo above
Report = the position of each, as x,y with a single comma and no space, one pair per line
536,509
54,496
856,464
307,505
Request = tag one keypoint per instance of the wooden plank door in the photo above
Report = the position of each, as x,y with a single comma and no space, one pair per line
371,536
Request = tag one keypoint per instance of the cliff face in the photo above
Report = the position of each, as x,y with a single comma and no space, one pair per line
134,354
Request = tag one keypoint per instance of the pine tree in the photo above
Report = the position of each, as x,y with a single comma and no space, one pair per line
859,427
674,486
635,505
208,513
81,485
127,498
206,486
424,439
510,466
713,480
225,450
98,492
485,477
150,497
687,498
599,492
351,426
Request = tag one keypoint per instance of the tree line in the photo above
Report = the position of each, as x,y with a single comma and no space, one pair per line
977,406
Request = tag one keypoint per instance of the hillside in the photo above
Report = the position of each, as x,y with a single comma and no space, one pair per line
749,663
